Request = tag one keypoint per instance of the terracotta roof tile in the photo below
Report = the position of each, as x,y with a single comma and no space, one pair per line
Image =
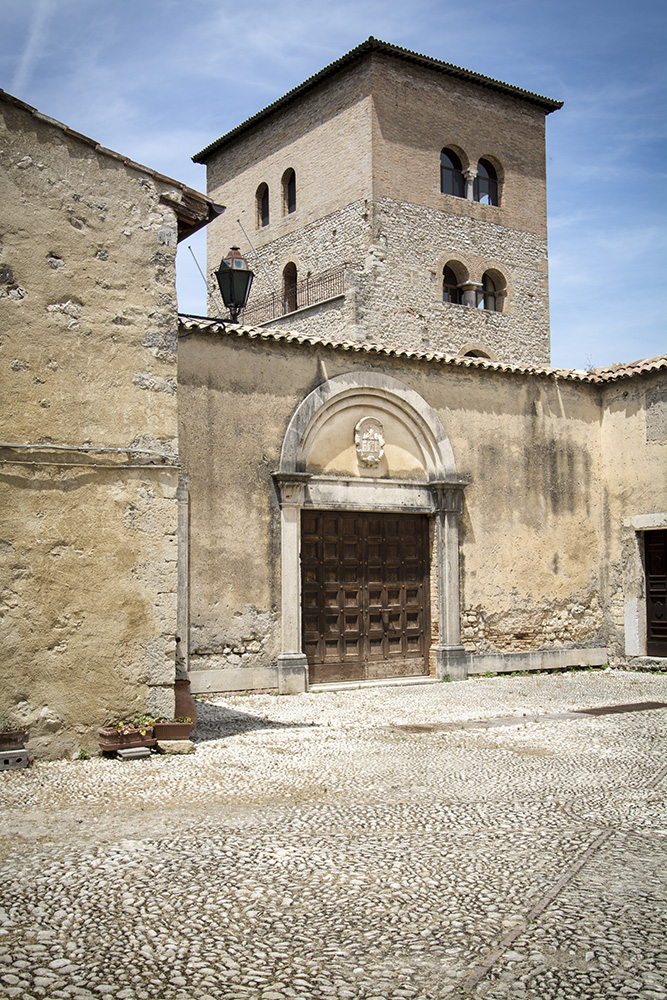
203,324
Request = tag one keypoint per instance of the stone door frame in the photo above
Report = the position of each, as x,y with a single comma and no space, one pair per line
440,496
634,581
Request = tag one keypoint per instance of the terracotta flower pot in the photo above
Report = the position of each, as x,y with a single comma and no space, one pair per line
13,739
185,707
173,730
111,740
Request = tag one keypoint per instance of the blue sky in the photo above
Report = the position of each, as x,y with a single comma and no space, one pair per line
159,79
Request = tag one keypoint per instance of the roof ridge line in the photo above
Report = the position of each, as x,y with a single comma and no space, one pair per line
375,45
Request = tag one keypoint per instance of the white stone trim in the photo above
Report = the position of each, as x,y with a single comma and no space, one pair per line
643,522
634,581
385,393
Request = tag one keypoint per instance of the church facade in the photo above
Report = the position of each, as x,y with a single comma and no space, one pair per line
385,477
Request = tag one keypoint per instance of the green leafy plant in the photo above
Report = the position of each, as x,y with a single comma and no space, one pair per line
143,723
10,726
83,754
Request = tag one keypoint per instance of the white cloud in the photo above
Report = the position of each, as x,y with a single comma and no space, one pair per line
34,44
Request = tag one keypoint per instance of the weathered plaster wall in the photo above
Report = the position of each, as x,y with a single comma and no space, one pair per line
87,602
634,498
530,532
87,361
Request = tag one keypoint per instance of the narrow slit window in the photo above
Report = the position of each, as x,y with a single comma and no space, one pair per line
289,192
289,287
262,203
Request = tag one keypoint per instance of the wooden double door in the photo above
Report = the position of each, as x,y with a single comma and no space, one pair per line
365,595
655,562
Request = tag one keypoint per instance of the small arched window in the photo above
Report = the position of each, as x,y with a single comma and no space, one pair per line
450,287
452,180
289,287
289,192
487,298
262,206
485,188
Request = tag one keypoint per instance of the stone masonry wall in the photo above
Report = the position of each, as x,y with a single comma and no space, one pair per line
399,303
340,238
395,299
88,435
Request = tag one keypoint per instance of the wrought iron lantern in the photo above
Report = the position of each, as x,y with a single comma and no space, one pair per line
234,278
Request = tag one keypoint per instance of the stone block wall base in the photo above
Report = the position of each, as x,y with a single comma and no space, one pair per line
222,679
292,673
538,659
452,662
653,663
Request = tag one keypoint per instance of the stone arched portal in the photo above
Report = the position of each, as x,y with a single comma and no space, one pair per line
366,442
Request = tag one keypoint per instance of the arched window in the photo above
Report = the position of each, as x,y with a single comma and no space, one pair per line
262,205
450,287
487,298
289,287
452,180
477,350
289,192
485,188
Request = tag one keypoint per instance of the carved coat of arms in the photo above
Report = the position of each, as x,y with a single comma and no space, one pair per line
369,441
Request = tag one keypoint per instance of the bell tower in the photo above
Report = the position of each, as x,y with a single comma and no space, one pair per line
394,200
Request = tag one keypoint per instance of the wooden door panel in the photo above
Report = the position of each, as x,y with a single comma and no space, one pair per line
365,594
655,562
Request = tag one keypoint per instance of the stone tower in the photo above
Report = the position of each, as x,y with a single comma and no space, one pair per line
392,199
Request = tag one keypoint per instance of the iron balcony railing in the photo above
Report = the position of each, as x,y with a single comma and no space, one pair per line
307,292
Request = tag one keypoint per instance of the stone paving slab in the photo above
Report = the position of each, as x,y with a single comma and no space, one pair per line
310,848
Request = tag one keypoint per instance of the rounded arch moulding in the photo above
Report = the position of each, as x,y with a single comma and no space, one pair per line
361,408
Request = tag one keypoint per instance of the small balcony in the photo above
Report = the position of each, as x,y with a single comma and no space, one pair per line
307,292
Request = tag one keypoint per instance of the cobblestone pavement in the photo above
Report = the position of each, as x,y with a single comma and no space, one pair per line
311,848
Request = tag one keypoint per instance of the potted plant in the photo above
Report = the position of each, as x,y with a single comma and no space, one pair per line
123,735
12,736
173,729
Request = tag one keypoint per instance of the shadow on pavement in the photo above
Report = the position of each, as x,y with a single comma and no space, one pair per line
215,722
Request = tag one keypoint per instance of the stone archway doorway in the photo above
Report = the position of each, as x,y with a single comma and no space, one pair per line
367,450
365,594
